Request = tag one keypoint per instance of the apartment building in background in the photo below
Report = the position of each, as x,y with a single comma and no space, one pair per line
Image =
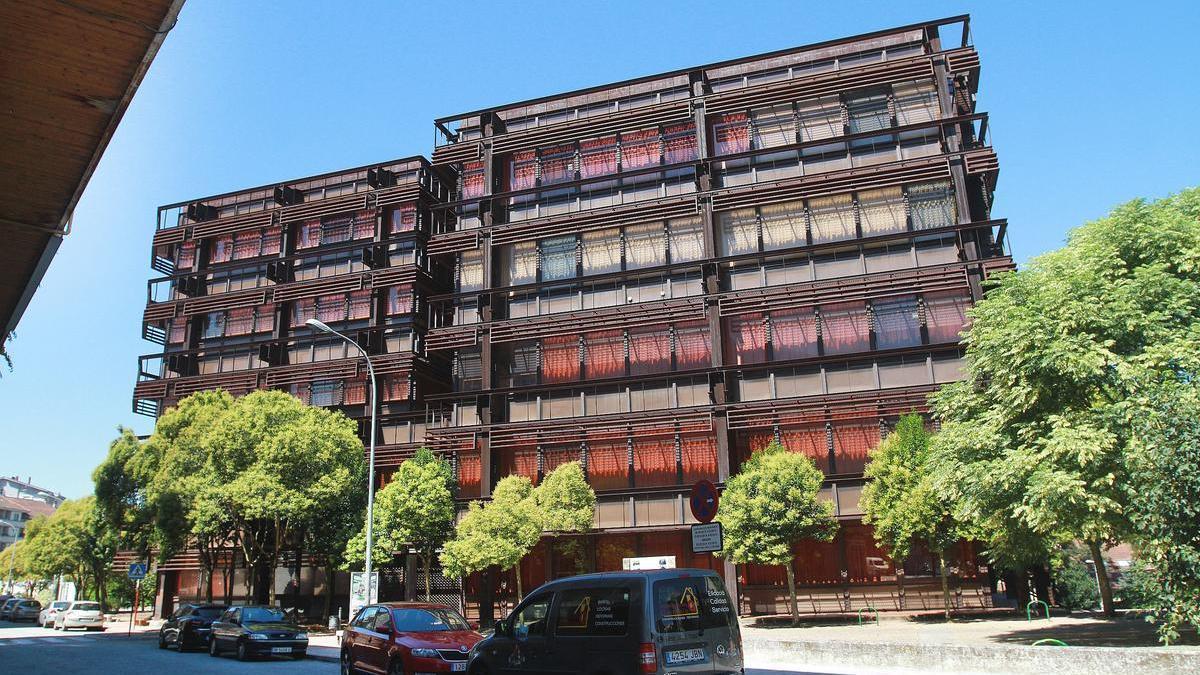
653,277
21,502
13,486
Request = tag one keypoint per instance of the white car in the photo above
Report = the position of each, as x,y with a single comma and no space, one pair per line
46,617
80,614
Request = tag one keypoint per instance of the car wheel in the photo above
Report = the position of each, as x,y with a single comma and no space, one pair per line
242,654
212,647
162,641
347,669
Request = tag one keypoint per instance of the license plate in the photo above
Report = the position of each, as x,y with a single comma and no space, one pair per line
281,650
684,656
458,667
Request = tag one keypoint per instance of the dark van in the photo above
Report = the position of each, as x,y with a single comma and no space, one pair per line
654,621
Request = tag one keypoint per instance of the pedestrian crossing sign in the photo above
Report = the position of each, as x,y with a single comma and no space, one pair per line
137,571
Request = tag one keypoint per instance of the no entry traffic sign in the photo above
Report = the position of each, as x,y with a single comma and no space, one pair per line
704,501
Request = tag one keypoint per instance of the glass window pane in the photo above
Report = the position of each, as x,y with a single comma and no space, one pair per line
645,245
686,239
739,231
783,225
558,258
602,251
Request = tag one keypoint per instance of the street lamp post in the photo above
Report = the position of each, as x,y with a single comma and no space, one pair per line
12,557
1096,576
320,326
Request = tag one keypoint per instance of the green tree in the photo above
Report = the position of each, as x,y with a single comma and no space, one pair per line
416,508
74,541
1164,492
902,503
566,501
769,506
1035,442
500,533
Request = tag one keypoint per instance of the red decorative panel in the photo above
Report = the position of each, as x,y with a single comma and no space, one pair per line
866,561
403,218
308,234
552,458
731,134
221,249
520,462
844,328
395,387
400,300
598,157
946,315
852,445
469,474
272,241
187,256
817,563
560,359
693,345
360,305
639,149
608,468
605,354
747,339
810,442
523,170
303,310
794,334
680,143
240,321
649,351
472,180
355,392
699,458
654,462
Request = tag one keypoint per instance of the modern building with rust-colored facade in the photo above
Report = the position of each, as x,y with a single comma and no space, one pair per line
653,277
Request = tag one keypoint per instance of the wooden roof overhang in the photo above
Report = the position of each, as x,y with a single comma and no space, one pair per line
68,73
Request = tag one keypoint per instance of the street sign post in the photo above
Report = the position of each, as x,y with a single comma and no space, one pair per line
704,501
137,572
707,538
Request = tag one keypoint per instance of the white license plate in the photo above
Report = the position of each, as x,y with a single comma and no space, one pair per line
684,656
458,667
281,650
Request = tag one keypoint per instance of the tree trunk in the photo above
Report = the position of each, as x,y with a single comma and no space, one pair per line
945,583
328,589
1106,599
517,570
273,561
425,564
791,577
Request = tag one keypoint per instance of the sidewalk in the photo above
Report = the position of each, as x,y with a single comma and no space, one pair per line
324,647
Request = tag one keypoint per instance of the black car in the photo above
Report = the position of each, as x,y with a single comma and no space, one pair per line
189,627
257,631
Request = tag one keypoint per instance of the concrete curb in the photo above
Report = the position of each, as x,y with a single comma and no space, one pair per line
981,658
327,654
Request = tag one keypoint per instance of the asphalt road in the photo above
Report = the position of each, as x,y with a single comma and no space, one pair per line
26,649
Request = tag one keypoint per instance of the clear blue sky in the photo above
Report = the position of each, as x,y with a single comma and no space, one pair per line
1092,104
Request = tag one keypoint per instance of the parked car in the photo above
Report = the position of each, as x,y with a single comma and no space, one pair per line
257,631
83,614
189,626
25,610
46,616
407,637
7,607
655,621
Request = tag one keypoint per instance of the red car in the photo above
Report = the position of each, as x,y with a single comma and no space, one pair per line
394,638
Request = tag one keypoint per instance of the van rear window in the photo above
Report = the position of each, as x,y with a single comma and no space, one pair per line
693,603
593,611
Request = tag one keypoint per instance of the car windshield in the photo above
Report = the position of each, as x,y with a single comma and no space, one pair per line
261,615
428,620
86,607
61,605
208,612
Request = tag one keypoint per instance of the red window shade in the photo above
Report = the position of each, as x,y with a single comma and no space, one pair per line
240,321
598,157
732,134
754,574
945,315
331,307
364,224
760,440
556,457
852,444
395,388
400,300
354,392
649,351
747,339
560,359
403,218
867,562
272,241
693,345
247,245
175,334
844,328
303,310
469,474
336,229
187,255
608,467
654,462
522,170
699,458
810,442
817,562
360,305
794,334
472,180
605,354
639,149
558,164
264,318
520,462
308,233
222,249
680,143
896,323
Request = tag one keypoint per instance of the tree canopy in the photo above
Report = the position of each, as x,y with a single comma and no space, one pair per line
769,506
74,541
1034,447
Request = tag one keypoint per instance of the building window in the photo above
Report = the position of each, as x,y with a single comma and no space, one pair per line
473,184
686,237
645,246
558,165
747,339
470,270
945,316
558,258
881,211
794,334
869,113
679,143
640,149
399,300
773,126
522,170
820,118
605,354
739,231
693,345
560,359
916,102
896,323
931,205
731,134
832,218
214,325
783,226
598,157
403,218
844,328
601,251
